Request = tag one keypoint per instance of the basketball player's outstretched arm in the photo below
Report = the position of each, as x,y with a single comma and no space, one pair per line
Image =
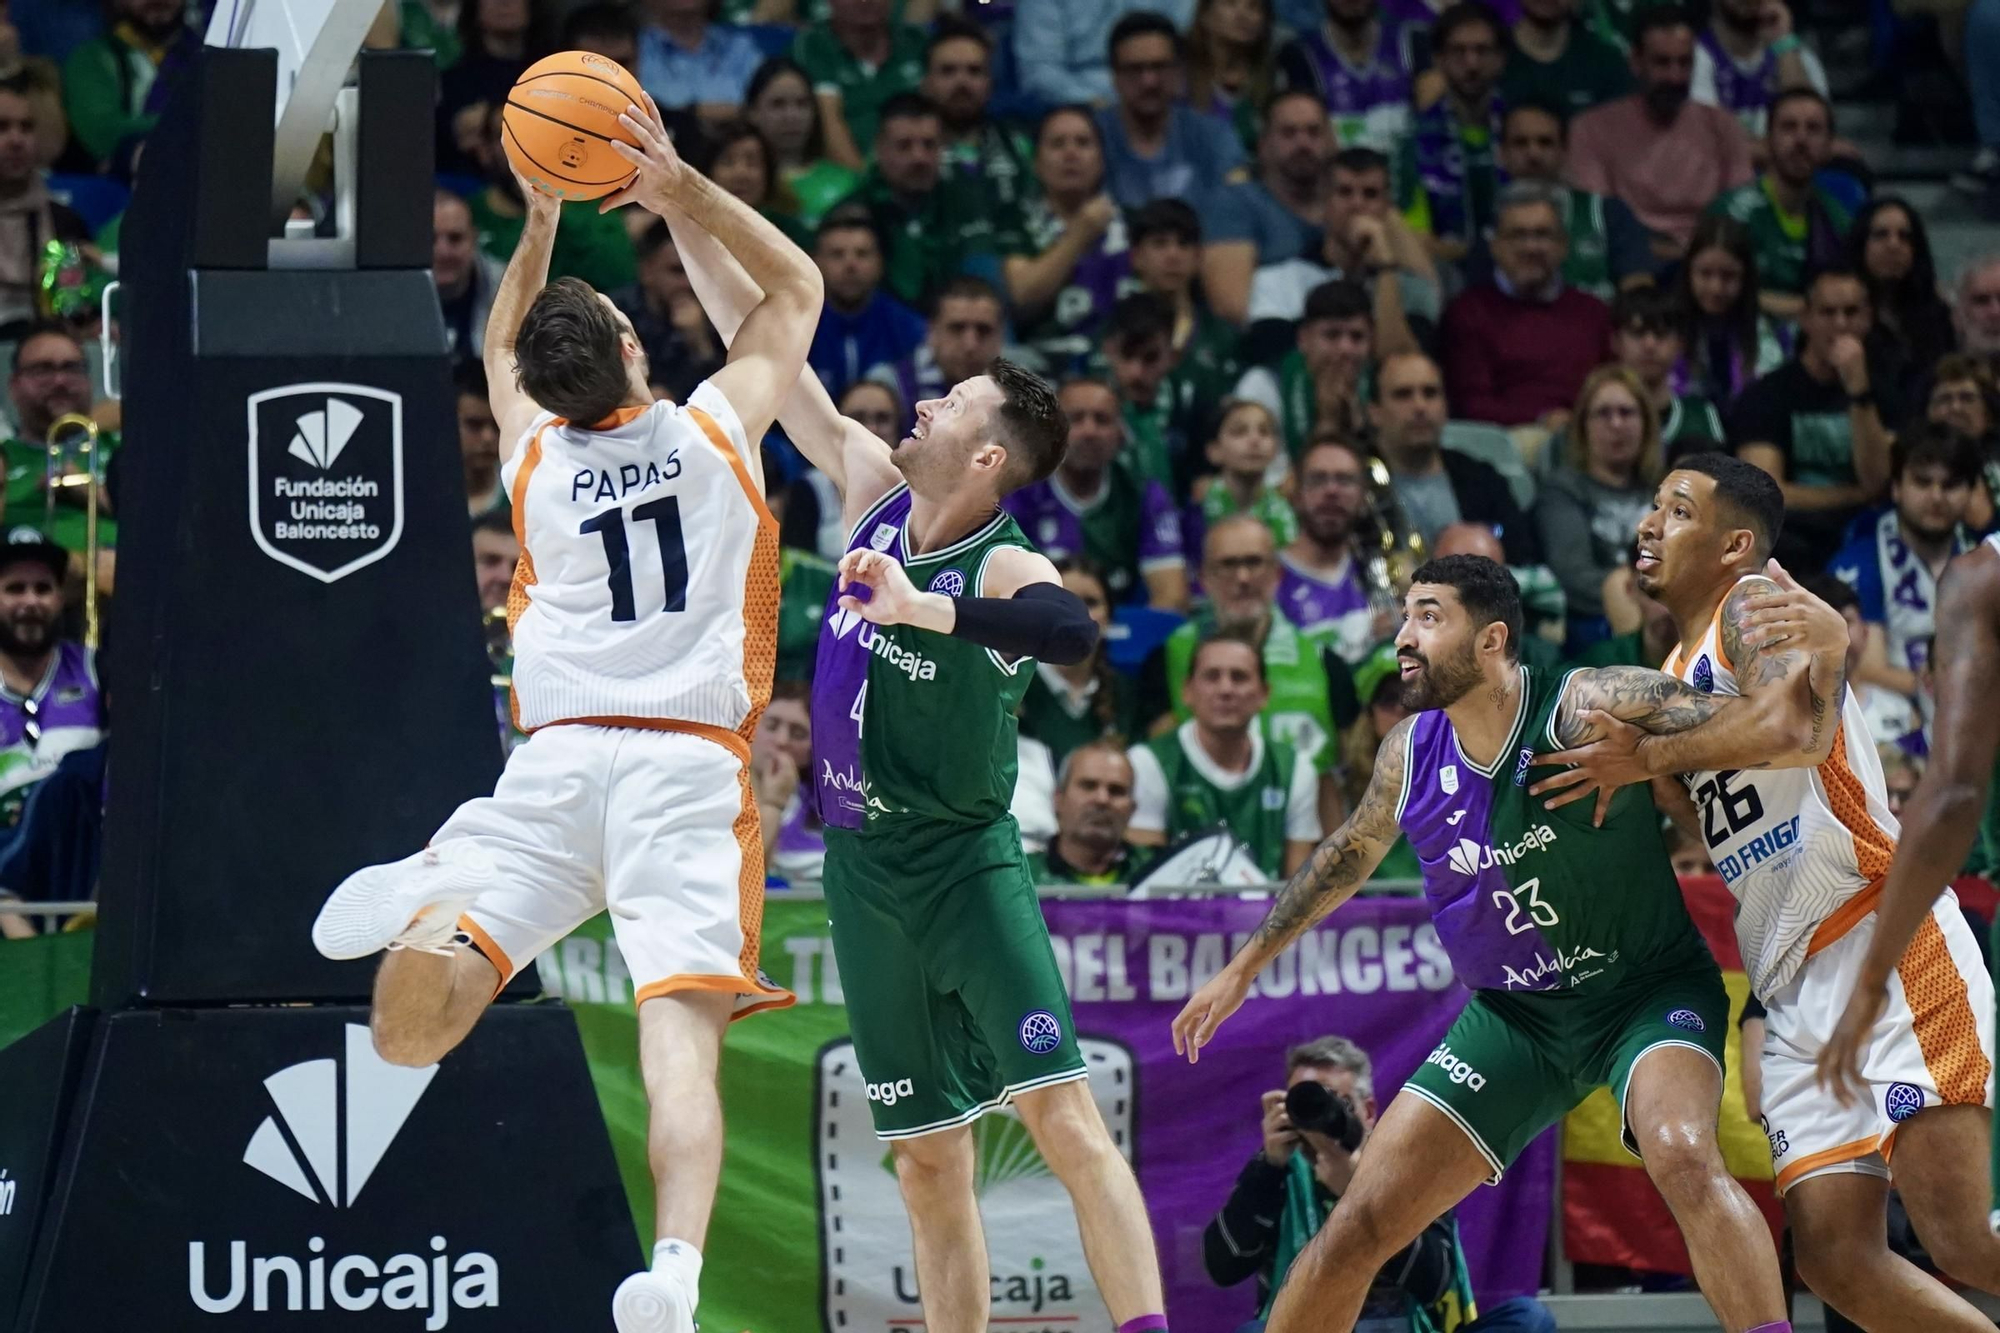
527,273
769,349
1789,652
1330,876
1941,818
838,447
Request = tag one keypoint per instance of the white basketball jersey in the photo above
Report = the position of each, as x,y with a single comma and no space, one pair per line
1795,845
647,592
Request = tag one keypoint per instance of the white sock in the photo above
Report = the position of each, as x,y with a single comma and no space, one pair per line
683,1261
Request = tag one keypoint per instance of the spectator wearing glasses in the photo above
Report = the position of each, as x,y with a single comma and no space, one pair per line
1155,145
1518,347
1647,339
1590,505
1061,46
51,379
1448,158
49,703
1608,248
1962,396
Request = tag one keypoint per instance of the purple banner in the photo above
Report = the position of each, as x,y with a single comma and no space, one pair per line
1373,972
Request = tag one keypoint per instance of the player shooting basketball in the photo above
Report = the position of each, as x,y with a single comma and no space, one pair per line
950,979
644,614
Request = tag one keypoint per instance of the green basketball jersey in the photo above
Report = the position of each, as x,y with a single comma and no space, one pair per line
1526,898
1298,713
1253,811
911,722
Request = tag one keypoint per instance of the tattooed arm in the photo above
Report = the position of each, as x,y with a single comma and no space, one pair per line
1791,693
1330,876
1650,700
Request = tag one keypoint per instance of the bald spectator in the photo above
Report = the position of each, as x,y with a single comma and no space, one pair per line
29,218
1155,144
1518,347
1093,809
466,276
1541,595
1436,486
1661,153
1977,310
1274,216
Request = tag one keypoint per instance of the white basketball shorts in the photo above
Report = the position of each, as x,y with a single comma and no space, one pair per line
1933,1046
658,827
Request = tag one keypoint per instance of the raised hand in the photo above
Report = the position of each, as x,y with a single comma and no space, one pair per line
885,595
660,176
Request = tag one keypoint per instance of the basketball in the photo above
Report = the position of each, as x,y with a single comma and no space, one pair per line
560,119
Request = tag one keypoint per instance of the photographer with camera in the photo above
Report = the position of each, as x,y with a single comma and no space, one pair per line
1314,1132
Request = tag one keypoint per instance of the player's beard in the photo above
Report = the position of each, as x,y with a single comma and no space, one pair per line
1440,684
26,633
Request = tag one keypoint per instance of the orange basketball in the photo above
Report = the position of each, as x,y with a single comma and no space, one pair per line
560,119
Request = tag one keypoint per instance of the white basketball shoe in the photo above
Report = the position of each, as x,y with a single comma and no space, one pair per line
652,1303
413,903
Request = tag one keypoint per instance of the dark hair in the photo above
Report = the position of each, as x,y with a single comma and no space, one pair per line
1110,688
850,218
1799,93
1331,438
1139,318
42,328
769,73
1653,310
1659,18
472,37
1836,593
1141,23
1487,591
1929,444
1338,298
956,28
1719,231
593,20
1835,272
1029,423
1229,634
1358,161
654,239
1542,105
495,520
1163,217
1462,14
468,379
967,287
1066,109
1282,96
567,356
906,106
1202,61
1905,298
719,139
1745,488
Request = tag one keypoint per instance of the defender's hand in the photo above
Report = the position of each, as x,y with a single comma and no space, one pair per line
890,598
1601,767
1793,618
1206,1011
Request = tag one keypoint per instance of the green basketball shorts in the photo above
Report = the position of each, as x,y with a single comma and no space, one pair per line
953,997
1514,1064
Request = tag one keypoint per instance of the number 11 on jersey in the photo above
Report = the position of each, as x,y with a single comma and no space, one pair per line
664,514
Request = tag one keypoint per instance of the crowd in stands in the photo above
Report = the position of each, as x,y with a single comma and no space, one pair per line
1325,285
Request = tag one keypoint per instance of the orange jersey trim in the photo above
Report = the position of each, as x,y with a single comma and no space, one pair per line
494,953
1845,1152
722,736
1845,918
760,588
1941,1013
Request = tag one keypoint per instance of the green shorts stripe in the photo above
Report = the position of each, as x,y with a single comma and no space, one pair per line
1451,1114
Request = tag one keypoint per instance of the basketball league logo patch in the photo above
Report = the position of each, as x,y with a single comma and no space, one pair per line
1902,1101
1040,1032
1687,1020
1704,675
949,582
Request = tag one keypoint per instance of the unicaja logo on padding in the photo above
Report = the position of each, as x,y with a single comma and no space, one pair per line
302,1148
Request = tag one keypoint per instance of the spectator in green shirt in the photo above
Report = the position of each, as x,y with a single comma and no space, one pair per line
106,80
1557,60
984,159
1093,808
779,102
50,379
589,245
1609,247
857,60
1795,224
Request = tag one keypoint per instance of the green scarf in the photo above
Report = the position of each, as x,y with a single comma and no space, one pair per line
1301,403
